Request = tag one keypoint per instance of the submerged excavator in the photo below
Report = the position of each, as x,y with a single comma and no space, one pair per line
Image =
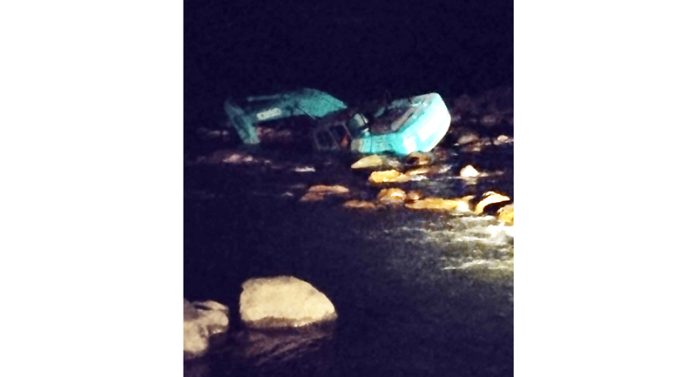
400,126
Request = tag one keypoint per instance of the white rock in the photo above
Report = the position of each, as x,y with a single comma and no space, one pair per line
469,172
201,320
467,137
502,140
304,169
195,340
283,301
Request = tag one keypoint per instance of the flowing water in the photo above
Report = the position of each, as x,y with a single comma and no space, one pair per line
417,293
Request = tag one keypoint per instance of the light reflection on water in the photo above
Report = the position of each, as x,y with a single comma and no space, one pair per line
467,242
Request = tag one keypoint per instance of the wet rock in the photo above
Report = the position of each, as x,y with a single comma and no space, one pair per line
420,159
312,197
473,148
329,190
461,205
388,176
371,161
375,161
283,301
414,195
320,192
391,196
419,171
506,214
195,340
469,172
201,321
359,204
488,198
467,137
238,158
442,169
471,176
476,146
502,140
304,169
433,204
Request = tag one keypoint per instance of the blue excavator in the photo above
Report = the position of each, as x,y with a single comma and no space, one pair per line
400,126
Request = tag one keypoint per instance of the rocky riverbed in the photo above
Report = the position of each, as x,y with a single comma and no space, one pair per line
420,269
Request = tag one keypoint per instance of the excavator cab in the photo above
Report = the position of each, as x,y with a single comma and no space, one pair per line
338,132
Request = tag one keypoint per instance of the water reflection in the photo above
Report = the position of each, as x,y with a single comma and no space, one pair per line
281,346
288,352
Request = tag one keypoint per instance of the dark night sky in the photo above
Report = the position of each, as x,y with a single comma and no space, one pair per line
350,48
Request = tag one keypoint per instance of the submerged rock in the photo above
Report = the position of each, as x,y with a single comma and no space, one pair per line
359,204
388,176
507,214
312,197
201,321
283,301
490,197
319,192
441,204
333,189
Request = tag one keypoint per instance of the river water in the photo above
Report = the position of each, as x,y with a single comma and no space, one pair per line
417,293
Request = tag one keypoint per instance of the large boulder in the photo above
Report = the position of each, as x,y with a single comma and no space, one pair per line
282,302
201,321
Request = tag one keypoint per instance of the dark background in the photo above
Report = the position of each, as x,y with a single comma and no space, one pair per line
353,49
